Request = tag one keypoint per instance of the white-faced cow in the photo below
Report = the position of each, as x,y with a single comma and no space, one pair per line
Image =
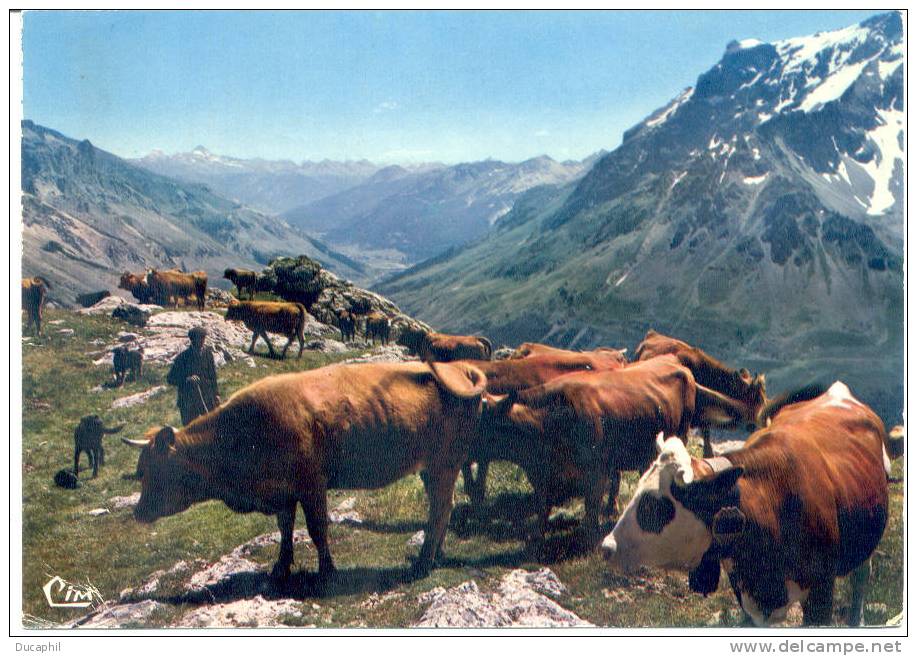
805,501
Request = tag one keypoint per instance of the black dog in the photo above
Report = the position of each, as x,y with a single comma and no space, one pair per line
88,437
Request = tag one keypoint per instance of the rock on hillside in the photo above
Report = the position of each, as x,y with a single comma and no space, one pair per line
303,280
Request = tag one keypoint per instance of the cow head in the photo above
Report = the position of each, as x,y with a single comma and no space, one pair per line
229,274
170,485
668,522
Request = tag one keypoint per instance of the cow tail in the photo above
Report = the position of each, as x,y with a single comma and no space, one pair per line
488,347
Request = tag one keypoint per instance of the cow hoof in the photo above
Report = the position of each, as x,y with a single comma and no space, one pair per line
281,571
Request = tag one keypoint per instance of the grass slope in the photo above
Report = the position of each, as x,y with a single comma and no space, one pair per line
113,551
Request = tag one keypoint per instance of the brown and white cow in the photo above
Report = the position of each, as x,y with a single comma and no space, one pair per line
528,349
805,501
287,439
746,390
574,435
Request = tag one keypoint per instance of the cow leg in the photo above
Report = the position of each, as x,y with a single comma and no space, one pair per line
270,345
283,356
441,486
76,460
593,503
816,611
94,456
302,344
101,455
859,579
251,349
472,487
286,518
315,507
708,446
614,486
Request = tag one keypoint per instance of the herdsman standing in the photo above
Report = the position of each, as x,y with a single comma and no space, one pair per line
195,375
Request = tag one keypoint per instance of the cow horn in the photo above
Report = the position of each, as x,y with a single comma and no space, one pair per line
138,444
660,442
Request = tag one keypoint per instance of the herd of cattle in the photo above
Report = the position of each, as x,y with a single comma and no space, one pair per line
803,502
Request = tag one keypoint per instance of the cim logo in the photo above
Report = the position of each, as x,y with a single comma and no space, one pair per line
61,594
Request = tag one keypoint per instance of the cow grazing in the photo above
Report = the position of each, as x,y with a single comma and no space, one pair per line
88,437
748,391
805,501
378,326
287,439
574,435
439,347
137,285
169,287
513,375
243,279
34,293
126,361
261,317
91,298
347,323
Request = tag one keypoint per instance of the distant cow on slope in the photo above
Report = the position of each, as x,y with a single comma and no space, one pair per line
168,287
34,292
137,285
440,347
243,279
262,317
378,327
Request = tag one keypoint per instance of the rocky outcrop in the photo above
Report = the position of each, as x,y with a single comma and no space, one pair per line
303,280
521,599
253,612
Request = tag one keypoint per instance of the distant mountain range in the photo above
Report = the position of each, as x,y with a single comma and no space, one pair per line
759,215
422,213
89,215
270,186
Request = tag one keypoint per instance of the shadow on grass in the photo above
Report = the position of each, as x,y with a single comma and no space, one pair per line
300,586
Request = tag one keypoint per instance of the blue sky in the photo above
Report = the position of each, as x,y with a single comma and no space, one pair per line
386,86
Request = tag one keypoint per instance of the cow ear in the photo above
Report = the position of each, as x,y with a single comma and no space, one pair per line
164,439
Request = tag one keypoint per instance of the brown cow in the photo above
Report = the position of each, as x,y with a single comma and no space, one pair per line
137,286
243,279
805,501
439,347
378,326
347,323
505,376
169,287
287,439
34,292
739,385
262,317
527,349
574,435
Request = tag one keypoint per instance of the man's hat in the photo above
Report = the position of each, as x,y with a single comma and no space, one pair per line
197,332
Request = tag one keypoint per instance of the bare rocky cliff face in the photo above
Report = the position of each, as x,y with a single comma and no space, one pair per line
758,215
88,216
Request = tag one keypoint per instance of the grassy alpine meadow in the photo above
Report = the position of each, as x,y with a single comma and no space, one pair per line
114,552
